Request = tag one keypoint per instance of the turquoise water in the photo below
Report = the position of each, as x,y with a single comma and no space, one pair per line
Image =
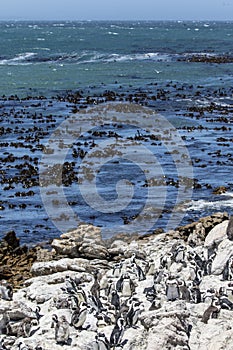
45,63
49,57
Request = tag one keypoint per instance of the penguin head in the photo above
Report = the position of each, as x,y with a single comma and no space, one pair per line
222,291
9,292
120,322
54,320
63,318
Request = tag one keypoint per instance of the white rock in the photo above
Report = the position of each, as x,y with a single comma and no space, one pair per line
225,250
65,264
217,234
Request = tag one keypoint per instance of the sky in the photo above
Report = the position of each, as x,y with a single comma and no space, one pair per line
116,10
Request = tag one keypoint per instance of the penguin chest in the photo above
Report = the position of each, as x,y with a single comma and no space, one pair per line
172,292
126,289
80,319
102,345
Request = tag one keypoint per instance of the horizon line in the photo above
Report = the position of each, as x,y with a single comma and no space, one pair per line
114,20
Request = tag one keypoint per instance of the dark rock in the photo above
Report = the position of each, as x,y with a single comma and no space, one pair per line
220,190
202,226
11,239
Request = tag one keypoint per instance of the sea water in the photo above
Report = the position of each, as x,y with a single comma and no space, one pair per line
52,58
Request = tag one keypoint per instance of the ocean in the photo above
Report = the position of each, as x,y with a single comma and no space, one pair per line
182,71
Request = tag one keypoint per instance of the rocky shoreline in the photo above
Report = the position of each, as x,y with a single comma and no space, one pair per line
169,290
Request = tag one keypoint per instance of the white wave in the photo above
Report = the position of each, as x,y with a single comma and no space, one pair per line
216,205
20,58
113,33
150,56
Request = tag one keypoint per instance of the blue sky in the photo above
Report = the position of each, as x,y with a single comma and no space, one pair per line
117,9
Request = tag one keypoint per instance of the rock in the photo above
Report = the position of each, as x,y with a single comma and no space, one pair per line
11,239
118,247
196,237
65,264
85,241
207,223
15,260
136,267
220,190
217,234
225,250
167,330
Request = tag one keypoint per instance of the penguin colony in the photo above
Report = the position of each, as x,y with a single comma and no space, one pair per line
112,299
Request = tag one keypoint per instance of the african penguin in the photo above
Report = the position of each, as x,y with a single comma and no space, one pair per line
227,272
102,342
213,308
172,289
132,315
79,316
61,326
117,332
6,291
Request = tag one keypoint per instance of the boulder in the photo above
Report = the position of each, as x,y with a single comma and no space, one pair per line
85,241
225,250
217,234
65,264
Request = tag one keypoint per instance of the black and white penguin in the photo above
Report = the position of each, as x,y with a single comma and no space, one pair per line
72,302
196,296
138,271
117,269
208,267
172,289
230,228
198,277
228,270
102,342
4,321
166,261
184,291
127,287
224,301
81,295
70,285
211,310
118,285
62,332
150,293
115,300
117,332
150,268
95,289
133,314
79,316
209,295
199,261
95,303
179,254
6,291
